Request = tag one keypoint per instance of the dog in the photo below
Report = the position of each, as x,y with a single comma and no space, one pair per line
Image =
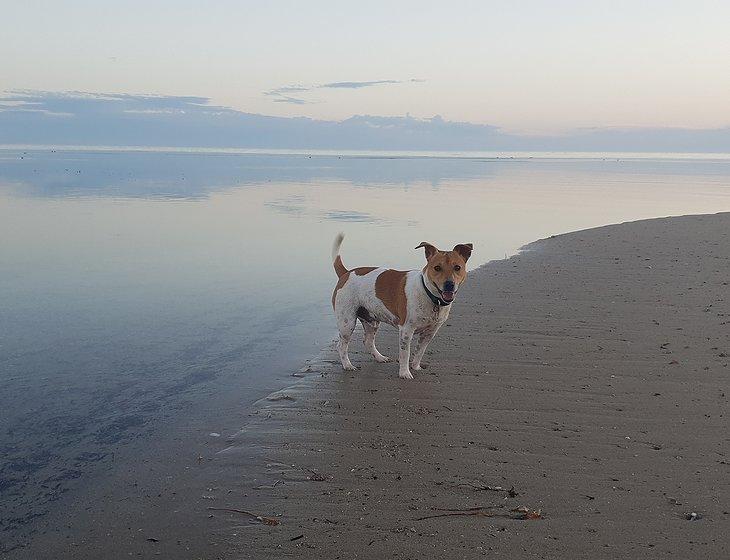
417,302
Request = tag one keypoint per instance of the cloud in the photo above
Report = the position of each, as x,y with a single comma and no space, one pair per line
78,101
286,89
359,85
292,100
121,119
281,94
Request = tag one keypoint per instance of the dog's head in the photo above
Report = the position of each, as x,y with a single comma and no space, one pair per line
446,270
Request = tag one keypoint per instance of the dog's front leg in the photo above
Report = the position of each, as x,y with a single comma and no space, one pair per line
423,339
406,335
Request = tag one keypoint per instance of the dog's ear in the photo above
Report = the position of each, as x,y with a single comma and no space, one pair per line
430,249
464,250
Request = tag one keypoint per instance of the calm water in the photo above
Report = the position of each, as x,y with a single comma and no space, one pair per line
138,285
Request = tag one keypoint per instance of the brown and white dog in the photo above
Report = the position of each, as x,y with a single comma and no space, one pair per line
416,301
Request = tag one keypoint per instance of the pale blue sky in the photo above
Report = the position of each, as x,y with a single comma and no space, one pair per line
535,66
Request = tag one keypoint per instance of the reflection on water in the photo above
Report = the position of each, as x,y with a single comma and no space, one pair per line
136,284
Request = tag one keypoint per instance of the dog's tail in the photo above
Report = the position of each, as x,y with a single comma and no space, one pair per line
336,259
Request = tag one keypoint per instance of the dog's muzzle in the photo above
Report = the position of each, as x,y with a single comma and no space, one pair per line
449,290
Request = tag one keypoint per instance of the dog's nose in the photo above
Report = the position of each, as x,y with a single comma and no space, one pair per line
449,286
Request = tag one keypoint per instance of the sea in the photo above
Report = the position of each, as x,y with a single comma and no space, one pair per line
143,286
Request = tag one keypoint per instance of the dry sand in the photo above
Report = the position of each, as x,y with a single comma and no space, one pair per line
589,373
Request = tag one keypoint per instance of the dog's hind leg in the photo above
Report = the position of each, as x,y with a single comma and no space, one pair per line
346,324
371,329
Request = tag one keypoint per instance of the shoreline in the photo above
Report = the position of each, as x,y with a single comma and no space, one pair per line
378,154
365,455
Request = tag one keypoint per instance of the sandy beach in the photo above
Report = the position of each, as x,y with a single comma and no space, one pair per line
585,379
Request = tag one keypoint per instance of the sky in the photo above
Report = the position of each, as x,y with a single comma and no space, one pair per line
524,66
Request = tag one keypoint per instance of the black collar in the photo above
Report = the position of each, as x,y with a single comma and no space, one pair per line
435,299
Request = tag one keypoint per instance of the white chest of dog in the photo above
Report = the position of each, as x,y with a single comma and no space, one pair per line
417,302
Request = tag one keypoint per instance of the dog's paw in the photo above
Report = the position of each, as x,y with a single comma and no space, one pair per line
382,359
349,367
405,375
419,367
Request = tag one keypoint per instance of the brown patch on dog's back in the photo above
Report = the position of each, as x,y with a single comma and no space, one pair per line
340,282
363,270
390,288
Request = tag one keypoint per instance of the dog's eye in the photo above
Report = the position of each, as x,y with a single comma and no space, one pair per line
457,267
437,268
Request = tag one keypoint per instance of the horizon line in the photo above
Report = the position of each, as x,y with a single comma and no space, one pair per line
400,154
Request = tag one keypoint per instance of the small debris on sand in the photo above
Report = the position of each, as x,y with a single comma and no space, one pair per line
477,511
521,513
279,397
524,512
259,518
316,477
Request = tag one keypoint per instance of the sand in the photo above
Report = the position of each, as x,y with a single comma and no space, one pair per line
588,375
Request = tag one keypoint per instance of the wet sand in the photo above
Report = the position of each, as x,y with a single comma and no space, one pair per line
587,374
